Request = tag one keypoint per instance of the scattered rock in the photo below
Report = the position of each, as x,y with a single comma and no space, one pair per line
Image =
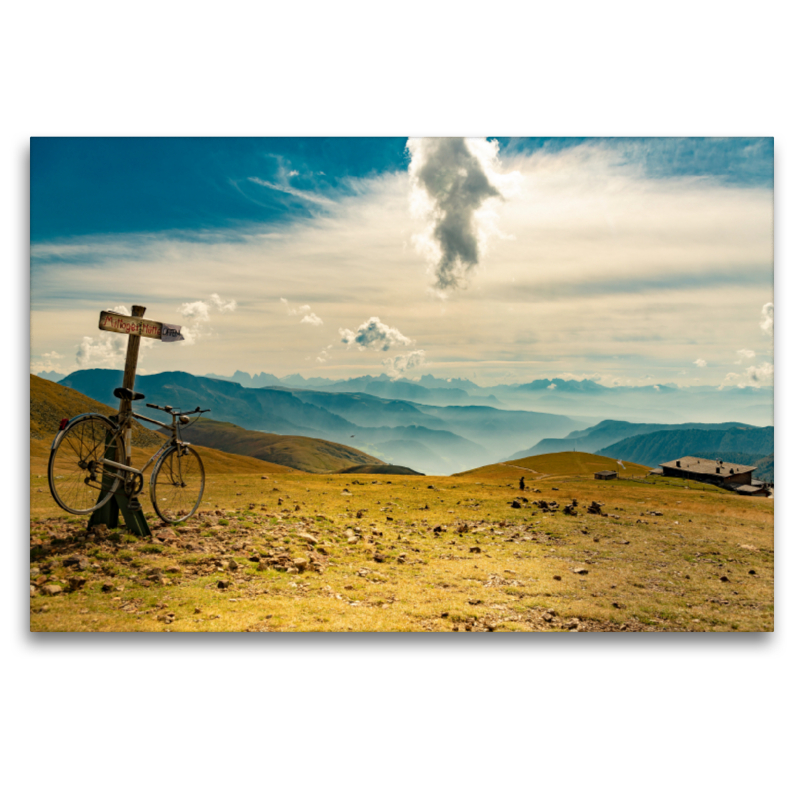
475,549
307,537
51,589
107,587
79,562
581,571
223,584
515,504
724,579
556,577
751,572
475,602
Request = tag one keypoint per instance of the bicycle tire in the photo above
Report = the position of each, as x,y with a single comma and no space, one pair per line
75,473
177,483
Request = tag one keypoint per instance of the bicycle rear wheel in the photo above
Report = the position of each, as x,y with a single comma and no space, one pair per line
78,480
177,484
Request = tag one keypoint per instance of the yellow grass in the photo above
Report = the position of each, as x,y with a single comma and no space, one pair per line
645,572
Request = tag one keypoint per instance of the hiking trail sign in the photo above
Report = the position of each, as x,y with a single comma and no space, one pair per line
138,326
135,327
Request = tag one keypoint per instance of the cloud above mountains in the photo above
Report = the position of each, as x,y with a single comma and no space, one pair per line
374,335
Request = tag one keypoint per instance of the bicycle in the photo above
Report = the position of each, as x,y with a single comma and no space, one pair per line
83,477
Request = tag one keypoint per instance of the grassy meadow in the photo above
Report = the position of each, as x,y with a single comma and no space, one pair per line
274,549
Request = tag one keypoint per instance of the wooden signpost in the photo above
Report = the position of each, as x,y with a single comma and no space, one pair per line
135,327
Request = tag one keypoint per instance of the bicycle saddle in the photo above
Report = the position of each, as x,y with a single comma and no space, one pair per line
127,394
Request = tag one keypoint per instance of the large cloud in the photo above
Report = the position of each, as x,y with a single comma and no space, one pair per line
450,184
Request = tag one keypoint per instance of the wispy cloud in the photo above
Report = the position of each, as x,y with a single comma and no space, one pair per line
309,197
700,362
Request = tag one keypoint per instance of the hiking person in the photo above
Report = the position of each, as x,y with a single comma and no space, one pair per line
522,484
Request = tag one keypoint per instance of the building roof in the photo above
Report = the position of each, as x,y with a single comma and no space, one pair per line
746,488
706,466
606,472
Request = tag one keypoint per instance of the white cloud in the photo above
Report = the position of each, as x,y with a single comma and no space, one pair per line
308,316
745,353
223,305
107,351
753,376
375,335
197,315
767,319
397,365
552,387
700,362
325,354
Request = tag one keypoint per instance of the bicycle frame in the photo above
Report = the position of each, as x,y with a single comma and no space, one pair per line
120,426
174,439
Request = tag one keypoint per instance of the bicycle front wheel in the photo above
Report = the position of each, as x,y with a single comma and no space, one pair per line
177,483
78,480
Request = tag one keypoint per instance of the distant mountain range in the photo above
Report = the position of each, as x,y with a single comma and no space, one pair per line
653,449
610,431
586,401
426,438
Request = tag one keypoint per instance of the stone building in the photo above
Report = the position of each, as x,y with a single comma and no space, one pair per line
709,470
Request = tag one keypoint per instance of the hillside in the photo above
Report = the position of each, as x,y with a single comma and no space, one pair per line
556,465
50,403
610,431
378,469
656,448
299,452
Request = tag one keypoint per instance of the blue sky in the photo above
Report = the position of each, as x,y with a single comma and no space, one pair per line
624,260
89,186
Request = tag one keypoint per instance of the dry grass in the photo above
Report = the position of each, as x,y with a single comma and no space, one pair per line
491,567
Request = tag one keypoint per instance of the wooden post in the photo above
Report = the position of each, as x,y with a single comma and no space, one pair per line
131,508
129,377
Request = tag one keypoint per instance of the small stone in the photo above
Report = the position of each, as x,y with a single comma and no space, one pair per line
573,624
79,562
445,614
107,587
307,537
556,577
581,571
725,579
751,572
300,563
474,549
223,584
52,589
548,617
232,566
475,602
33,590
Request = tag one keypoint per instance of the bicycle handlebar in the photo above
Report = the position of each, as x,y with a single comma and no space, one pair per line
170,410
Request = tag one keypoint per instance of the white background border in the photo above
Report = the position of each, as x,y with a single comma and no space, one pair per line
394,716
